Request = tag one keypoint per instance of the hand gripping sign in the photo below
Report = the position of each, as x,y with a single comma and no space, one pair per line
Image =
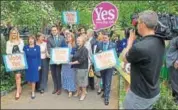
105,60
105,15
60,56
14,62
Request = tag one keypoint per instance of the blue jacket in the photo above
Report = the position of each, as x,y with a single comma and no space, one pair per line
122,45
73,50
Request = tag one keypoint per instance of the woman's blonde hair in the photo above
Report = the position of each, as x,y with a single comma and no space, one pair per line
73,39
10,34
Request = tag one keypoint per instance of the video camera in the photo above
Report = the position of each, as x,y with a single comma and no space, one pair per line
167,27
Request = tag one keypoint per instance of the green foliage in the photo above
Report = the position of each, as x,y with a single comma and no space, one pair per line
126,9
35,13
166,100
7,79
29,13
85,18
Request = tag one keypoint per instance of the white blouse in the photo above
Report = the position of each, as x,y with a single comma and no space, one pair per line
43,49
88,46
10,45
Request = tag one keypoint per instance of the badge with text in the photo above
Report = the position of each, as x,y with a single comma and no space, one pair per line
14,62
70,17
105,60
60,56
104,15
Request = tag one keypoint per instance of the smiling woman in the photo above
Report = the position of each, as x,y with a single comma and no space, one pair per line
33,55
15,45
80,62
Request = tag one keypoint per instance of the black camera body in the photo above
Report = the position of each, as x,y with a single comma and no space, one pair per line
134,21
166,29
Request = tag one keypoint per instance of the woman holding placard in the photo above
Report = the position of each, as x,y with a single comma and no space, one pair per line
80,62
15,45
44,63
68,73
33,56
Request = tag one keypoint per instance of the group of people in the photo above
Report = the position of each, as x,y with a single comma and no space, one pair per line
145,57
74,76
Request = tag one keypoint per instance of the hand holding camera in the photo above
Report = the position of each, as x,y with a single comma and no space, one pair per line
132,37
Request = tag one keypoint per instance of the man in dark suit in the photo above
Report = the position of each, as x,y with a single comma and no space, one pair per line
55,40
106,74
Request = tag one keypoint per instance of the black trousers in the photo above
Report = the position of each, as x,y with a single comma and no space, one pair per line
91,81
174,82
56,76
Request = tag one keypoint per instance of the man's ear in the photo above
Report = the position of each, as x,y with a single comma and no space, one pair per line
143,25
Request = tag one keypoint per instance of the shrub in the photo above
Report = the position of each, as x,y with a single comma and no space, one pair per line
166,100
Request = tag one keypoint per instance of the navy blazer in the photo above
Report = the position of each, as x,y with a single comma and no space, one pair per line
52,44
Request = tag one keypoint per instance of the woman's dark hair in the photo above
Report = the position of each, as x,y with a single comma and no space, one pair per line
95,34
81,29
31,37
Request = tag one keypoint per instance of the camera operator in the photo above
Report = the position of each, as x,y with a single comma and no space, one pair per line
172,64
145,57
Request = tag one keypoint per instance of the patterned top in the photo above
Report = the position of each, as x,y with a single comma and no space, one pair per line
12,48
